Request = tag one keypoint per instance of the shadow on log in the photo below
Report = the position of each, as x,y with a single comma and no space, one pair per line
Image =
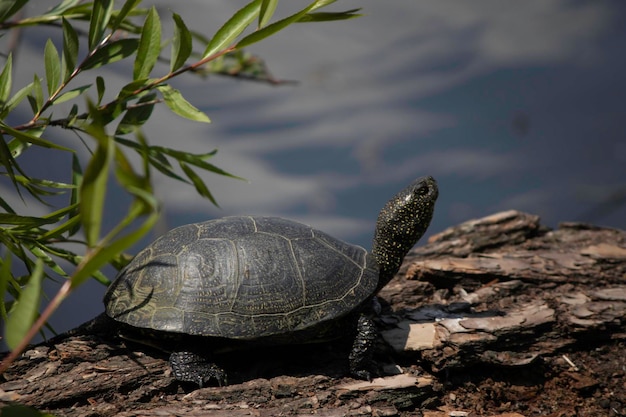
499,316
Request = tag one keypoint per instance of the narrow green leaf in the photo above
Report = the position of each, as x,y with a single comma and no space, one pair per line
15,100
72,222
60,8
201,187
75,259
28,137
103,254
177,103
70,49
226,35
100,88
73,93
23,221
130,89
6,159
44,183
136,115
100,16
25,309
109,113
329,17
6,206
323,3
126,175
181,44
149,46
267,11
155,158
6,80
36,100
5,277
196,159
166,169
93,189
47,260
112,52
77,180
52,63
274,27
126,9
9,7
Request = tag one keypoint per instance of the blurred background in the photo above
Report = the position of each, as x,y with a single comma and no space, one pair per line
509,105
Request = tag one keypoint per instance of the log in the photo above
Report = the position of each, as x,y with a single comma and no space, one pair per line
499,316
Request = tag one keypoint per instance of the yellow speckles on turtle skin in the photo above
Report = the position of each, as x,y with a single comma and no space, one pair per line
401,223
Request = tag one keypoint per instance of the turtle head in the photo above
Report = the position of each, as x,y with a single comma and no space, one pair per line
401,223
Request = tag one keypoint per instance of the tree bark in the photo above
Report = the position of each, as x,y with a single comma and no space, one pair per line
499,316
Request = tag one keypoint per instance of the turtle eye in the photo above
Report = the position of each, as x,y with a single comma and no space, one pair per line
422,190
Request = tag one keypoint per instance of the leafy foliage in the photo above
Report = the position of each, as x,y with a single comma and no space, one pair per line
73,234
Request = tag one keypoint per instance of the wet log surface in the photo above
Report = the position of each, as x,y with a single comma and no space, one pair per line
494,317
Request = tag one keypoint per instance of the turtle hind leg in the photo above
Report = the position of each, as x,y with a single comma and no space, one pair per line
191,367
361,364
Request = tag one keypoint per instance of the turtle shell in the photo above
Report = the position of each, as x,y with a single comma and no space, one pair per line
242,278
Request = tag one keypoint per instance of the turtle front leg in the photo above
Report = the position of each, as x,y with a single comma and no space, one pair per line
191,367
363,348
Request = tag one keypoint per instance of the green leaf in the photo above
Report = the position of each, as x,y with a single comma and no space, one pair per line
130,89
111,52
181,44
73,93
5,277
9,7
155,158
100,88
52,63
177,103
267,11
77,180
328,17
137,115
100,16
68,226
26,307
201,187
31,139
94,185
6,159
15,100
323,3
149,46
70,49
6,80
103,254
226,35
274,27
36,99
60,8
40,253
126,9
126,175
24,221
197,160
6,206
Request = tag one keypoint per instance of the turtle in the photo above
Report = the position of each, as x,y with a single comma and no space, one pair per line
267,280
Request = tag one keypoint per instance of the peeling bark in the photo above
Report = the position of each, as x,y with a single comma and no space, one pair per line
498,316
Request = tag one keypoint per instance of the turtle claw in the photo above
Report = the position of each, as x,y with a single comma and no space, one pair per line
191,367
362,374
